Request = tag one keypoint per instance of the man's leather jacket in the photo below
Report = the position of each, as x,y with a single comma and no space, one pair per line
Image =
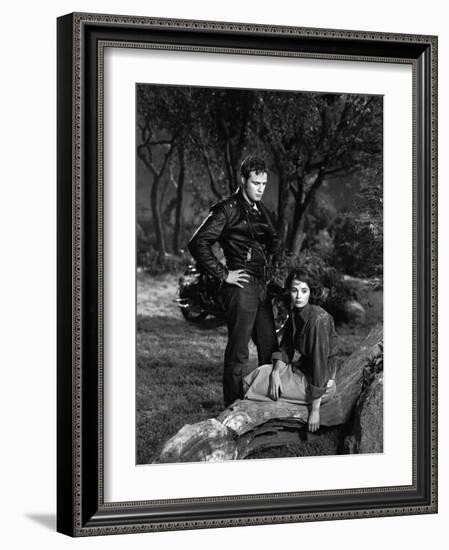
228,224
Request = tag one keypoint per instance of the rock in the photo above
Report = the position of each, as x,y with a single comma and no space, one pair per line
353,312
361,284
367,429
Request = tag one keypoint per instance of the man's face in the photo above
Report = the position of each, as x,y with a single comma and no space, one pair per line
255,185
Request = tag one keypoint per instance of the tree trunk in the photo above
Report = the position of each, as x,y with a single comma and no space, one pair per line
297,239
166,213
158,229
179,197
232,183
282,222
155,206
233,157
297,235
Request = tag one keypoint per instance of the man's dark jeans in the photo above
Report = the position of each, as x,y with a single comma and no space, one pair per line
249,315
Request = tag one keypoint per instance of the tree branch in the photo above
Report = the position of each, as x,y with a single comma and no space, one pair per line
310,194
143,158
342,170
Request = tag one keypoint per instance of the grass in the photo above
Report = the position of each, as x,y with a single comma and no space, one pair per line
180,368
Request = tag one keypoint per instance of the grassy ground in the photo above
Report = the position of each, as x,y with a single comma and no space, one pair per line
180,366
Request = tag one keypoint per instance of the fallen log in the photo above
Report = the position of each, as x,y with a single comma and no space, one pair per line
247,426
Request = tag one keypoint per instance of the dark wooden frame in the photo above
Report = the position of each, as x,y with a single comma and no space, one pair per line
81,510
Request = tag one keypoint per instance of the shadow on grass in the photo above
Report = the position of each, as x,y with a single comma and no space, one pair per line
212,323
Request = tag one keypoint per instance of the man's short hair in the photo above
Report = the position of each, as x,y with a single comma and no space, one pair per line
252,163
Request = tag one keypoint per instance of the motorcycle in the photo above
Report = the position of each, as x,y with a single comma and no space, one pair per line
199,297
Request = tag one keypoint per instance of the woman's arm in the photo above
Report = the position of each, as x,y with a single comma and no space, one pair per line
320,344
286,348
275,388
280,358
313,421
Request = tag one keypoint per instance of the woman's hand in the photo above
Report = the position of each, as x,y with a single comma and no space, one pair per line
314,420
275,388
237,277
314,415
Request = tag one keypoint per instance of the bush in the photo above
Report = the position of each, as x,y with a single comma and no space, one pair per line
358,247
358,238
154,263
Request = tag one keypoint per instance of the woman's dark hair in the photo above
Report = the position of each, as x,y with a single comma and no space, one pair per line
252,163
309,276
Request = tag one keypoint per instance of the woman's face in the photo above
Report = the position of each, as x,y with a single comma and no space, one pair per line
299,293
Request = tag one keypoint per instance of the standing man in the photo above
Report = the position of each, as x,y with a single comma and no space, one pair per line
242,227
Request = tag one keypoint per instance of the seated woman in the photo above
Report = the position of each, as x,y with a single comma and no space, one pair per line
303,369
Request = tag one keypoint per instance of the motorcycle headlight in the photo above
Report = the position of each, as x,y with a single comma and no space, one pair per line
186,280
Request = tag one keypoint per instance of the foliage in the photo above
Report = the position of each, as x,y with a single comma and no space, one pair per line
317,224
374,366
219,134
192,139
152,262
312,138
358,238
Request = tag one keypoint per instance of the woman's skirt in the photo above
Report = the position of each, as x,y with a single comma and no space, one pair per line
294,387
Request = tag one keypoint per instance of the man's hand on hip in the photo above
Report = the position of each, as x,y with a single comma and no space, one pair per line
237,277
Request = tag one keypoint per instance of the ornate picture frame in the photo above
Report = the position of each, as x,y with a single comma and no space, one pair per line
82,509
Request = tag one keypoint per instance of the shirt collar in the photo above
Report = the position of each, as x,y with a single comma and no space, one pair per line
303,313
244,201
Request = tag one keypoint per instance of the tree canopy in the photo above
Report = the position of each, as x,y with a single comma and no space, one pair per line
191,141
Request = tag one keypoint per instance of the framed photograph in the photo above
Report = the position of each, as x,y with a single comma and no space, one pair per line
247,271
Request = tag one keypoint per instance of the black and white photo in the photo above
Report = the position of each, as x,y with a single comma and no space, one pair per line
260,273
